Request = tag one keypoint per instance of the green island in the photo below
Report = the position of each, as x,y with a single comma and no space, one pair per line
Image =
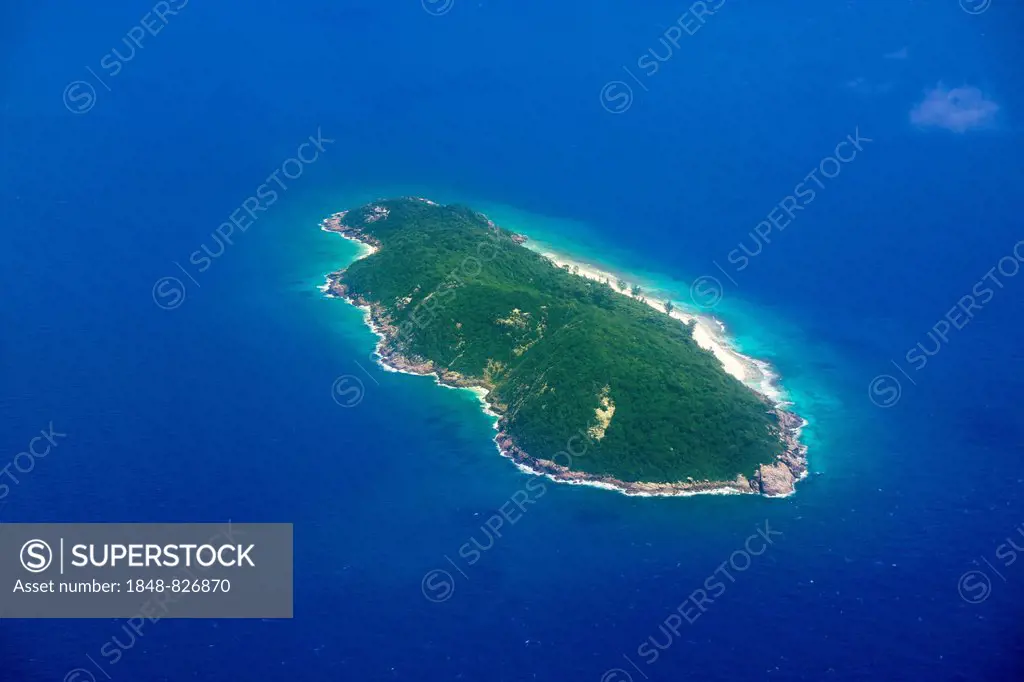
589,384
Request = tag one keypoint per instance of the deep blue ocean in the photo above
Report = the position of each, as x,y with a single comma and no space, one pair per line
556,119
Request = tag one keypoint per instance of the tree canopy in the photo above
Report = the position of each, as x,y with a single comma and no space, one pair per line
563,354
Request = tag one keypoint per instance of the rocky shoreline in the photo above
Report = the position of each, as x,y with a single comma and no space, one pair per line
771,480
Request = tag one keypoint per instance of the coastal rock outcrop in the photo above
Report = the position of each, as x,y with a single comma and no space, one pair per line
775,479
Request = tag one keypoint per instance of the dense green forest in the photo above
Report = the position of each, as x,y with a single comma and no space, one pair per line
563,354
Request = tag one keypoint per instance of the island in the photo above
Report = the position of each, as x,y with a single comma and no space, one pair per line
588,382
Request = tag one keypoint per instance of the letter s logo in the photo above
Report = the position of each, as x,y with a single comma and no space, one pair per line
36,556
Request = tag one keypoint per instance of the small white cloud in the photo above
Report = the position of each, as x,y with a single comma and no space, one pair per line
958,109
902,53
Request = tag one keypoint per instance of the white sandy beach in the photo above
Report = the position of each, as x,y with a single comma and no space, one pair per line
708,332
